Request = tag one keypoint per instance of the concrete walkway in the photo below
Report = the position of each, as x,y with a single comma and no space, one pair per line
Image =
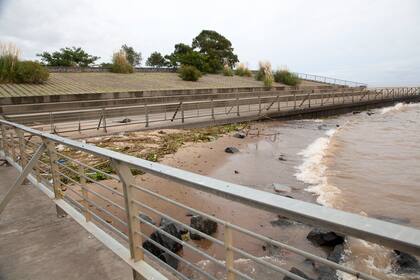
35,244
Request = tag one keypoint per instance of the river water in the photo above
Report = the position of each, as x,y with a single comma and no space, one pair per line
363,162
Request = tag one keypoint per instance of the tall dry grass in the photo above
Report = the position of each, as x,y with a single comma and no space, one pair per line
9,57
265,73
120,63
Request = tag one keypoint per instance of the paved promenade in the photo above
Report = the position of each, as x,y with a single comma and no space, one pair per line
36,245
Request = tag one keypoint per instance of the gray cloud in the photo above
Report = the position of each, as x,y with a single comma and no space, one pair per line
370,41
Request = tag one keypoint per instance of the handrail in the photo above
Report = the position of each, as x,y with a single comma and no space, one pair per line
129,203
329,80
392,235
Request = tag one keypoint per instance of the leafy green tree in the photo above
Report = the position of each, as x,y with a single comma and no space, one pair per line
68,57
156,60
217,49
133,57
185,55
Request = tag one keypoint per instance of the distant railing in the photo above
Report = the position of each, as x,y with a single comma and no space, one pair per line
168,110
329,80
116,208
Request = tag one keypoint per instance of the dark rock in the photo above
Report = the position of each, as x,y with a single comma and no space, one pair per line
204,225
240,135
322,237
231,150
405,263
161,132
336,254
281,188
164,240
337,125
236,172
296,271
281,158
370,113
272,250
164,222
169,259
126,120
146,218
356,112
327,273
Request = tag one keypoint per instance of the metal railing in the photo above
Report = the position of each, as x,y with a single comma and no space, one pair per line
234,106
116,207
329,80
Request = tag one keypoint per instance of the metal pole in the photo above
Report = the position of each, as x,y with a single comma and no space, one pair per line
12,145
127,180
212,109
146,113
56,184
51,123
25,171
259,103
5,145
104,119
19,133
294,97
237,104
229,257
182,113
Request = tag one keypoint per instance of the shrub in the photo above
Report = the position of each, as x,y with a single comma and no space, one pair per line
8,61
120,63
30,72
242,70
189,73
68,57
287,78
265,74
227,71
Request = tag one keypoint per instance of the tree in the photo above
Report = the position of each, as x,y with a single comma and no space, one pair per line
68,57
185,55
156,60
133,57
216,48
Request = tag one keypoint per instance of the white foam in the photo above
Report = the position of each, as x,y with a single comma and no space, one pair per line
398,107
312,170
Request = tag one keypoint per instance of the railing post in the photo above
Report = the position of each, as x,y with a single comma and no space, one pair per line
229,257
5,145
146,114
56,183
104,118
134,239
309,99
237,105
212,108
322,98
294,97
278,102
259,103
12,145
19,133
51,123
182,113
85,196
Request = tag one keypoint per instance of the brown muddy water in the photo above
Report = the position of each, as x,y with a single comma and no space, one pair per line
363,163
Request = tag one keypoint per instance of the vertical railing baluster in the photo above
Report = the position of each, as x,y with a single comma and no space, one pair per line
56,183
21,140
134,239
212,108
259,104
12,145
182,113
146,115
5,144
229,257
294,97
237,105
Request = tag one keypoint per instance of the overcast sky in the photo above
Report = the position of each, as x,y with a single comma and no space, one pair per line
377,42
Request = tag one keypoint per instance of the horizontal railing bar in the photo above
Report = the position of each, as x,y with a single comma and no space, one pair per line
89,167
242,230
167,266
388,234
110,227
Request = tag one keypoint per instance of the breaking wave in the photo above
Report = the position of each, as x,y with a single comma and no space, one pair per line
312,170
399,107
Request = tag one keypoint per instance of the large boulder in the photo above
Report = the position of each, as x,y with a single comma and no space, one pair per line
320,237
170,244
280,188
405,263
202,224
